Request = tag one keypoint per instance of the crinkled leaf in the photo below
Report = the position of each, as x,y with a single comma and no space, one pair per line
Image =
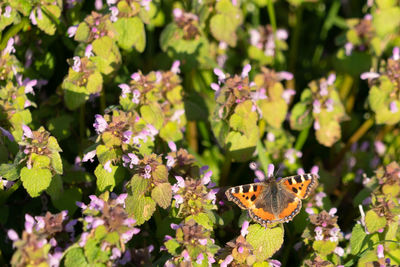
107,180
244,119
46,24
171,132
265,241
105,154
82,33
201,218
240,147
94,253
141,207
95,83
35,180
40,161
172,245
300,117
9,171
130,32
160,174
360,240
381,18
162,195
324,247
274,112
152,115
56,163
374,222
75,257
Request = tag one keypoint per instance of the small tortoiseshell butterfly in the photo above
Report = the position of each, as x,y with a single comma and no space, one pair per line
274,201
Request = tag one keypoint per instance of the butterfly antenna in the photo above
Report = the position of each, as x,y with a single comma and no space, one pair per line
279,168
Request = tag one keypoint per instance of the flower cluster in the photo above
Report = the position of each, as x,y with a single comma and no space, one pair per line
107,226
39,243
192,243
360,34
188,22
267,41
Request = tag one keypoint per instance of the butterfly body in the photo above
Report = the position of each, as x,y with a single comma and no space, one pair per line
274,201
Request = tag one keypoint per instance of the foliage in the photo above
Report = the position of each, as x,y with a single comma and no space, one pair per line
123,122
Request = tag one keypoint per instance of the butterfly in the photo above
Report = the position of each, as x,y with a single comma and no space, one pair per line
274,201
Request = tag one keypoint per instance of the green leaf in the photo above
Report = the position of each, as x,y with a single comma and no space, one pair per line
160,174
130,32
300,117
106,181
95,83
138,185
60,126
75,257
374,222
152,115
40,161
55,188
56,163
46,24
105,154
67,199
141,207
171,132
9,171
240,147
35,180
82,33
265,241
274,112
74,96
380,21
360,240
94,253
203,219
172,245
244,119
162,195
329,131
324,247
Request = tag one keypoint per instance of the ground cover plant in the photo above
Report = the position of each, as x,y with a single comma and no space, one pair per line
124,122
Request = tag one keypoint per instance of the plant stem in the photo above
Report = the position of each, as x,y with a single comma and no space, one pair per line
296,23
271,14
262,156
225,169
301,139
103,99
191,135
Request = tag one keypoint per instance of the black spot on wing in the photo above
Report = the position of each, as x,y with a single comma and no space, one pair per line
298,179
255,187
245,188
294,190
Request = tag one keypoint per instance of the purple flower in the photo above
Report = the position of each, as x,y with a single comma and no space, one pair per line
259,94
29,223
287,95
329,104
96,203
396,53
88,51
393,107
203,241
300,171
135,76
145,4
69,227
240,249
200,258
7,134
255,37
12,235
285,75
136,96
10,47
98,4
27,132
369,75
253,165
84,237
125,89
316,125
125,237
220,74
380,252
115,253
274,263
89,156
77,64
310,211
126,138
7,12
172,146
331,79
227,261
55,258
175,67
107,166
121,200
72,31
174,226
246,70
318,233
316,106
348,47
29,86
32,17
130,159
100,124
339,251
178,200
177,12
380,147
244,231
147,172
170,161
97,222
318,199
206,178
114,13
332,211
334,232
315,170
271,169
282,34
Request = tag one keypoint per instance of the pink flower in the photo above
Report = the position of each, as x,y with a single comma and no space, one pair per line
10,47
369,75
393,107
125,89
380,252
27,132
348,47
220,74
7,12
32,17
72,31
246,70
77,64
177,13
100,124
12,235
227,261
271,169
88,51
244,230
114,13
107,166
98,4
175,67
396,53
89,156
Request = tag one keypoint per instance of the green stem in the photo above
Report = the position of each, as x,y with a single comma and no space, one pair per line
271,14
344,90
301,139
103,99
328,23
262,156
296,22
